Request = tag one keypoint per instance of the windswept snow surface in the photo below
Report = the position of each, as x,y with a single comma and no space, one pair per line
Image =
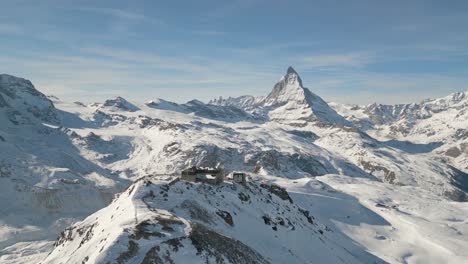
379,183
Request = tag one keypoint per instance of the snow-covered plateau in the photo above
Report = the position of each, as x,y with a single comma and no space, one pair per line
327,182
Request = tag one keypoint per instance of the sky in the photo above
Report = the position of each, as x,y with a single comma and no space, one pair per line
356,52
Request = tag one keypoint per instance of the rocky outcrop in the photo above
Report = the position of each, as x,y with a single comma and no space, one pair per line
22,103
151,223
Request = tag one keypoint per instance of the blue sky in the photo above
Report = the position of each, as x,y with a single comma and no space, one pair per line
345,51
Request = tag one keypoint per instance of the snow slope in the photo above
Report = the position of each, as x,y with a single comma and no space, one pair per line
46,180
61,162
438,122
159,220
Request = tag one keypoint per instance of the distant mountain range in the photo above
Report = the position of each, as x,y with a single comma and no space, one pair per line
360,179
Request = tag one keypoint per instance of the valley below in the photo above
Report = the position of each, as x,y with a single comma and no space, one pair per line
327,182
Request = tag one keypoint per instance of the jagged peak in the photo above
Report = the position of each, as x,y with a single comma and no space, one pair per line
292,77
11,85
291,70
21,95
288,88
120,103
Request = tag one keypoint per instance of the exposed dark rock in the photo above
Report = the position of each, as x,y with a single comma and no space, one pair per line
121,104
213,245
175,243
197,212
5,170
65,235
266,220
461,134
88,233
152,256
306,213
453,152
244,197
142,231
132,250
389,176
3,103
147,122
278,191
226,216
304,134
460,180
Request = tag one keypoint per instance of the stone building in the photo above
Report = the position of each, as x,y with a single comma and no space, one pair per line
207,175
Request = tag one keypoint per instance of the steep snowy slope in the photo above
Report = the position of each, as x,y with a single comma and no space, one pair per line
21,103
62,161
46,182
165,220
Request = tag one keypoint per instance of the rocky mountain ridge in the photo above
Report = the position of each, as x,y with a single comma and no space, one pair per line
69,153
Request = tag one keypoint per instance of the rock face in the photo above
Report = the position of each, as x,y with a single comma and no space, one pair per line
22,103
243,102
289,102
167,220
198,108
433,125
409,114
52,175
120,103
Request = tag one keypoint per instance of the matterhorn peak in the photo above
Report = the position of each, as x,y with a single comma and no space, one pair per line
291,101
291,70
288,88
292,77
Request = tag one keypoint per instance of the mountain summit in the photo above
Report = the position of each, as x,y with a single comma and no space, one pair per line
288,88
290,101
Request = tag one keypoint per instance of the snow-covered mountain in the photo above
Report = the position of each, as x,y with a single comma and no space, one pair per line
289,102
47,181
438,122
198,108
60,162
22,103
171,221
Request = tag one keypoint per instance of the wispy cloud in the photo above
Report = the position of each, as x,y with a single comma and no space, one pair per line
97,73
145,57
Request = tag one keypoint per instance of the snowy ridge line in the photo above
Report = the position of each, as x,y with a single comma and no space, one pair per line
364,178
